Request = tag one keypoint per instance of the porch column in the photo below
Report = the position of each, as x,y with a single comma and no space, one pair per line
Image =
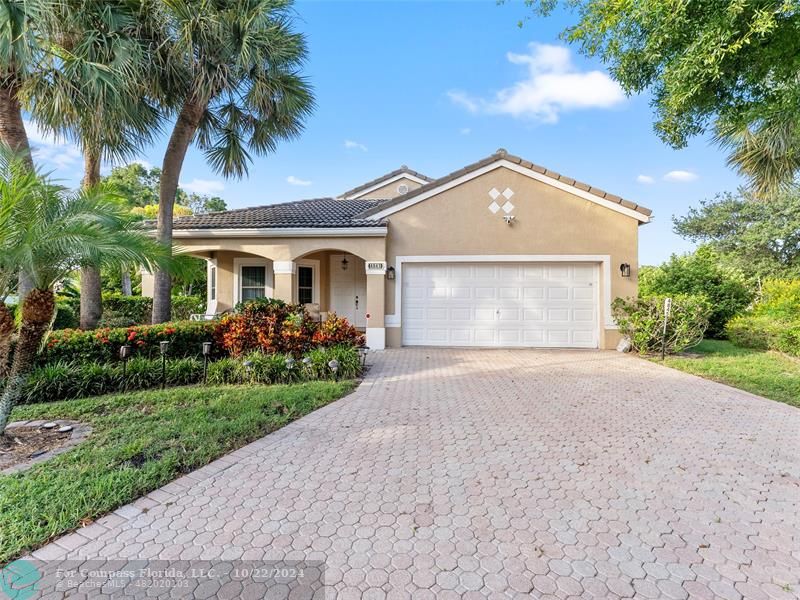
376,286
283,287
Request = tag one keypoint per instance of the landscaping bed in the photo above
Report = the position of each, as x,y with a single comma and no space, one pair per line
140,442
765,373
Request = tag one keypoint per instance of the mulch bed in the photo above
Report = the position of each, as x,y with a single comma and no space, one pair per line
20,444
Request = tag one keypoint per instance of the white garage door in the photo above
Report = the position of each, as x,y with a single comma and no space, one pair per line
550,305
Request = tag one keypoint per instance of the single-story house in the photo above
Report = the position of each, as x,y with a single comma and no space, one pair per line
502,252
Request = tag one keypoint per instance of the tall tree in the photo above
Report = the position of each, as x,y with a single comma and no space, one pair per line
97,97
727,66
761,239
48,232
243,93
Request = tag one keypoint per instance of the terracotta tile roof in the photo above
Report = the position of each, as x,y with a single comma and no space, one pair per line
319,212
502,154
402,170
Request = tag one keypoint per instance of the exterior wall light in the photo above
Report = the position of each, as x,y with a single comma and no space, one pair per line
625,270
345,263
390,273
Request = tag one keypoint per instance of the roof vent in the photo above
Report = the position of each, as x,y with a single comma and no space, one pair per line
402,189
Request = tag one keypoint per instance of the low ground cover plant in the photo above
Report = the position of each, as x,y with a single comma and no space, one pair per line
642,321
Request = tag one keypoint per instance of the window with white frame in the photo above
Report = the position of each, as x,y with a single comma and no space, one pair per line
305,284
212,282
253,282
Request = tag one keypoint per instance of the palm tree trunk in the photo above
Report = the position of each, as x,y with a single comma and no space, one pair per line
12,127
6,331
37,314
91,294
13,134
182,135
127,287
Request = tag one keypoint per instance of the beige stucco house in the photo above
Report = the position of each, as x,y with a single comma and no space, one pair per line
500,253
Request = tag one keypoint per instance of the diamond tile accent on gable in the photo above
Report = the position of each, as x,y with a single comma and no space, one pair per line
508,192
494,193
494,207
508,207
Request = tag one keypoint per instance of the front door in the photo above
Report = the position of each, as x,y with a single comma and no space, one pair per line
349,288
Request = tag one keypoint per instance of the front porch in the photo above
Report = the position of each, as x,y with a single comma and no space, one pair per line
345,276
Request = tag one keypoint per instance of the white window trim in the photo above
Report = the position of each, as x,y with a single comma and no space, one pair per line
238,263
576,191
211,303
604,260
314,264
385,182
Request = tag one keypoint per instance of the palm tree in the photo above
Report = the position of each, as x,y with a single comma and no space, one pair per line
241,92
90,89
48,232
766,152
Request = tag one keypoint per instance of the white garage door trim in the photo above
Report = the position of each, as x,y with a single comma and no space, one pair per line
604,260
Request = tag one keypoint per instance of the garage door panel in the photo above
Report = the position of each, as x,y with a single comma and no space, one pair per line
521,304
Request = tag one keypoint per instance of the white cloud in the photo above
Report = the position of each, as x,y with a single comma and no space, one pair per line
647,179
465,131
552,85
292,180
203,186
680,176
144,164
351,145
46,148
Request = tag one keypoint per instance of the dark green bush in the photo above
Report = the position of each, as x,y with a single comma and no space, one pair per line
124,311
642,321
66,317
700,273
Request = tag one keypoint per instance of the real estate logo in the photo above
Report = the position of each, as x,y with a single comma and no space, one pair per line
19,579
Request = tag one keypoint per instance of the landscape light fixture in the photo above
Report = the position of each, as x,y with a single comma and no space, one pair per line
625,270
162,346
206,354
124,354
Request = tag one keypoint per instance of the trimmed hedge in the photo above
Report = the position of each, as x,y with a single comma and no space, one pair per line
102,345
124,311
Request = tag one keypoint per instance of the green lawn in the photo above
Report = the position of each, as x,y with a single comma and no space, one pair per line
769,374
140,441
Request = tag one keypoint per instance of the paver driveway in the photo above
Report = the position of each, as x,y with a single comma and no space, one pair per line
482,473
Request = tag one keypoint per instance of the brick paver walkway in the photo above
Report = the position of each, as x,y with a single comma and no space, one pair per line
474,473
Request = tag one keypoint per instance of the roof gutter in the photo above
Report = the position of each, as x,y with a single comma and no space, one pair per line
282,232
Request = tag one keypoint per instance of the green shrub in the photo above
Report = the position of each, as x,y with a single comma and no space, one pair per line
66,317
184,307
102,345
126,310
642,321
773,323
700,273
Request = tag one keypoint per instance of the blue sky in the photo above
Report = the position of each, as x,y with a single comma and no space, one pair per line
438,85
